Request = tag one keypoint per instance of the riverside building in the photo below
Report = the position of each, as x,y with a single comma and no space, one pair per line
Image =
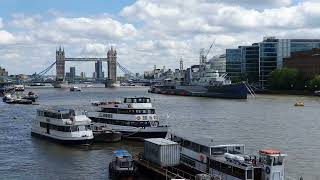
259,59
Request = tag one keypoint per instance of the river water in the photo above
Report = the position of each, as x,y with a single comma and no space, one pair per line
262,122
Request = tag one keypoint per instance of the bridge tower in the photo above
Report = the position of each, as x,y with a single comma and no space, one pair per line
112,65
60,65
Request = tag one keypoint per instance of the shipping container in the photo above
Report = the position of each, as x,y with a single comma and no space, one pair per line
162,152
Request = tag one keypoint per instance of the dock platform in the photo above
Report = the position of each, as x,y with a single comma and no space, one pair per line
158,172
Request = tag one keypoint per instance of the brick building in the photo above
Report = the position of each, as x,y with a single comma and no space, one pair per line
307,62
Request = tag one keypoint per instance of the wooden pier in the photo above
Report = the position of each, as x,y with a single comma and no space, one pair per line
158,172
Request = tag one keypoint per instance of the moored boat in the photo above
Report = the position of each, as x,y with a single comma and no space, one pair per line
103,134
122,165
75,88
134,118
31,96
19,87
62,125
230,161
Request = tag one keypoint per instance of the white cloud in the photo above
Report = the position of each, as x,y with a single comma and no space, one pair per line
24,21
94,49
158,32
102,27
6,37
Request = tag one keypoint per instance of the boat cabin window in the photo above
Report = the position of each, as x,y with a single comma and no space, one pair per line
278,160
128,111
227,149
194,146
137,100
65,128
218,151
265,160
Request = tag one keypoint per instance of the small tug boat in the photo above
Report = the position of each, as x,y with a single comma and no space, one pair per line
63,126
121,165
104,134
75,88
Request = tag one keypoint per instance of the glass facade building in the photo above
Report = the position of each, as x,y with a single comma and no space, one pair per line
233,63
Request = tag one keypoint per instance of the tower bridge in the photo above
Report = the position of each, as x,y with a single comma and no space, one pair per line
111,60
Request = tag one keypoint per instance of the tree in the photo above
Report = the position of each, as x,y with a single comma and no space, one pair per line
284,79
314,83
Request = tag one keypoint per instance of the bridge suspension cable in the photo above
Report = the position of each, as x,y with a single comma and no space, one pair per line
126,71
40,74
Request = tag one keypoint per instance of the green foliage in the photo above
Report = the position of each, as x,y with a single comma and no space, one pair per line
285,79
314,83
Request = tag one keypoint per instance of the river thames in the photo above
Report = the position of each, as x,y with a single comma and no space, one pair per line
266,121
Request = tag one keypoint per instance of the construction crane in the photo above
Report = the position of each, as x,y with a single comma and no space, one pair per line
203,55
209,50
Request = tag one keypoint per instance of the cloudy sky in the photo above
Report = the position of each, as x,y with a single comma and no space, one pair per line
145,32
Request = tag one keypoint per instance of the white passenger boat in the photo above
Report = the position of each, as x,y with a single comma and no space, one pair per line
229,162
62,125
19,87
134,118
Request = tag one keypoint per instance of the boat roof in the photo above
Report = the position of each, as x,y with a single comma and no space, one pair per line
161,141
209,142
121,153
56,109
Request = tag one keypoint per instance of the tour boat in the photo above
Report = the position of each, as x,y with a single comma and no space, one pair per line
62,125
122,165
134,118
75,88
229,162
19,87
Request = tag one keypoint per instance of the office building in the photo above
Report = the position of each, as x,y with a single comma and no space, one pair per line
83,75
99,75
72,74
234,63
218,63
273,51
257,61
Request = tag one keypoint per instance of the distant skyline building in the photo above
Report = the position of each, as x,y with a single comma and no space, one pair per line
72,73
3,72
99,75
83,75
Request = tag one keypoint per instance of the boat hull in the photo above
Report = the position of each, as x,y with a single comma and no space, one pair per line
107,136
131,132
62,141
